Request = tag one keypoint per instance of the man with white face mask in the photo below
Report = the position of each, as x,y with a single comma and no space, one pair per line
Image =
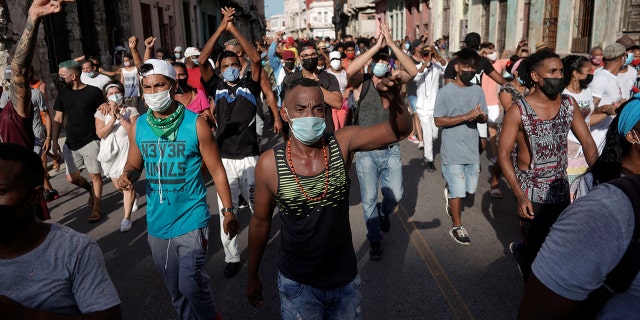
91,76
382,165
171,142
236,102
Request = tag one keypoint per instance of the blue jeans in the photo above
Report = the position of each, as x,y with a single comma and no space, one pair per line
413,100
181,261
300,301
379,167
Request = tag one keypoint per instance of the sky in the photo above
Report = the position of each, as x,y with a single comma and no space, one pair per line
272,7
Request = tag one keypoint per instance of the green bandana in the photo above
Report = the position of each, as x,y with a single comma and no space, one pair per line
166,128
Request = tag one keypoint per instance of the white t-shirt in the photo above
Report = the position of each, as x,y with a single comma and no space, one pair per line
341,76
604,86
626,81
585,102
98,81
428,83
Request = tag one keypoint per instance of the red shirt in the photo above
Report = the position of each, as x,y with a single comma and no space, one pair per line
16,129
194,78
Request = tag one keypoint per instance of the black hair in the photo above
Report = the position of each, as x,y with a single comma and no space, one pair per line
305,44
383,53
608,166
227,54
468,57
512,60
128,55
83,61
304,82
572,63
531,63
32,172
349,44
487,45
180,65
112,82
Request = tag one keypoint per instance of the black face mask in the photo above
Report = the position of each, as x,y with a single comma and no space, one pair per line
584,83
310,64
289,65
184,85
552,87
466,77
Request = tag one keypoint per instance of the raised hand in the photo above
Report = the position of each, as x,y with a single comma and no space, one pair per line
133,42
149,42
389,89
227,15
385,31
41,8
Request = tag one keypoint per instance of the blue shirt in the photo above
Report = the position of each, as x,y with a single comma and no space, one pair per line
176,194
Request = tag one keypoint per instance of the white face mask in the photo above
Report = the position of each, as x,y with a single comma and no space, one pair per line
335,64
493,56
117,98
127,63
158,102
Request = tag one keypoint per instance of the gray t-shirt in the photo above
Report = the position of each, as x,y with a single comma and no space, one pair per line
39,105
460,142
585,244
65,274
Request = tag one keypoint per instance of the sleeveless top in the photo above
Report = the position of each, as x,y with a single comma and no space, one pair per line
316,247
131,84
176,194
546,180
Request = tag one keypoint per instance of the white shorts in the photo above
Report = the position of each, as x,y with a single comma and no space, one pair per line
495,114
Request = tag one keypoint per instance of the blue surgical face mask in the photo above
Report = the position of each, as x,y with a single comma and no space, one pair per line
307,130
629,59
520,80
90,74
195,61
380,69
177,55
231,74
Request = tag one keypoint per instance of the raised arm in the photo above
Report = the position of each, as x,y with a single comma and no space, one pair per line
361,60
206,70
148,47
409,70
20,90
133,46
254,56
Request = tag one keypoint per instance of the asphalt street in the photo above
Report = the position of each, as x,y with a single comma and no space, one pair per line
424,274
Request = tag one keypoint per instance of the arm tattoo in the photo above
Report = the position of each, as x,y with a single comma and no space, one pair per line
20,91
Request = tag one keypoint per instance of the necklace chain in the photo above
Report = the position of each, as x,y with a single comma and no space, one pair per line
326,172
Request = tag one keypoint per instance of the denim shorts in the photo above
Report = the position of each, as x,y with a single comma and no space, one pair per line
301,301
413,100
461,179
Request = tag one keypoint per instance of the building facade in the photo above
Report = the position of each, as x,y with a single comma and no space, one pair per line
305,19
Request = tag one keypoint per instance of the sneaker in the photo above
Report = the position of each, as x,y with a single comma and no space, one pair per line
135,203
460,235
125,225
385,224
231,269
413,139
420,145
447,207
242,203
50,195
375,251
431,167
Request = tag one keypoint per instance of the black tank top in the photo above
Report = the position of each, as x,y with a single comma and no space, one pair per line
316,247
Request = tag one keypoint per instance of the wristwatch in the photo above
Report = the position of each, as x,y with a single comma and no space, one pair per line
232,210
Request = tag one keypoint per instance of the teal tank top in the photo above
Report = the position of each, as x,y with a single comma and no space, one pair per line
176,194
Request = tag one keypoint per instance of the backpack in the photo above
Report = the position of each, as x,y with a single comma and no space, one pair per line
620,278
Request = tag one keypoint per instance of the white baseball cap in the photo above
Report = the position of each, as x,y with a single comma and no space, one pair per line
177,49
158,67
334,55
191,51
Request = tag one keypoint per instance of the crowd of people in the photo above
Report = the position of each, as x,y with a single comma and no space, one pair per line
559,130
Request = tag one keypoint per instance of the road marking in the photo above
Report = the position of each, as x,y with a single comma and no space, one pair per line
455,301
137,238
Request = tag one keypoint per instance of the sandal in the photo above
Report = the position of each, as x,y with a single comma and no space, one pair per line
495,192
95,216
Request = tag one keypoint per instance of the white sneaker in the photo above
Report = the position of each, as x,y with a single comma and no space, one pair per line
125,225
135,203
